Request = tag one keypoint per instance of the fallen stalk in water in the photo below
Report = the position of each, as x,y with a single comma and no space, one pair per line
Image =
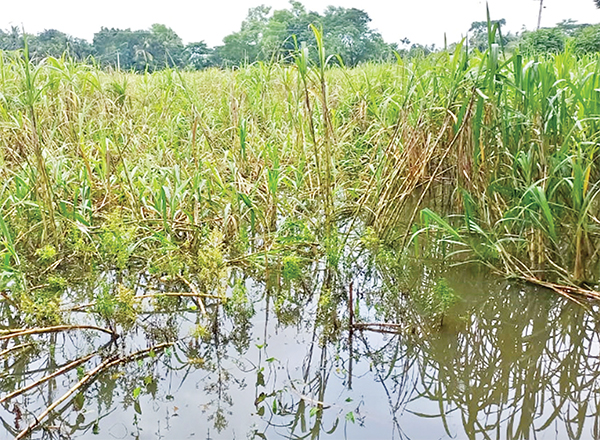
9,334
565,290
153,296
15,348
44,379
110,362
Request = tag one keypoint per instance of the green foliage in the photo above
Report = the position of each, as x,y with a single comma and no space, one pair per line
288,308
437,300
294,231
41,307
118,306
116,240
292,269
570,27
210,268
46,254
277,36
54,43
479,34
57,284
587,40
283,167
141,50
197,55
238,305
547,40
11,39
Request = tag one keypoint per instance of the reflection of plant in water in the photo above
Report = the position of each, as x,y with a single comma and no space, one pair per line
208,350
300,409
117,306
519,364
124,303
288,307
393,367
238,306
492,370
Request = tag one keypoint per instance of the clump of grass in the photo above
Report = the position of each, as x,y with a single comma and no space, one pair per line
41,308
117,307
115,242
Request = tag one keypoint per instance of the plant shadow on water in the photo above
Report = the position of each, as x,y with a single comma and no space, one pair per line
456,351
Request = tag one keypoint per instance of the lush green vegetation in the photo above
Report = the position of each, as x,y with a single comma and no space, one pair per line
276,167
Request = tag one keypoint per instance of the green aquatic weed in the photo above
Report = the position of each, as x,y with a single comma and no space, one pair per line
46,254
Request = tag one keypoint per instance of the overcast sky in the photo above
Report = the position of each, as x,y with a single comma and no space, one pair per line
422,21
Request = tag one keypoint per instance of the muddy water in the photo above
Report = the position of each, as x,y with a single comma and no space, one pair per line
506,361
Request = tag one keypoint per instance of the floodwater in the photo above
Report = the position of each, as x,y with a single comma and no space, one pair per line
505,361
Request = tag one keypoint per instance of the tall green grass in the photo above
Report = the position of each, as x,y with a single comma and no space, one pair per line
497,152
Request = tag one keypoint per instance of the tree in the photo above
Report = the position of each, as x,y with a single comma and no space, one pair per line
197,55
54,43
587,40
276,36
347,33
164,46
140,50
545,40
11,39
571,27
245,46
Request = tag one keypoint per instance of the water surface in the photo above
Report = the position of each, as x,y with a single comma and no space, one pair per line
506,361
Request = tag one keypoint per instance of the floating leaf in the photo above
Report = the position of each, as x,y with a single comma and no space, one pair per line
260,379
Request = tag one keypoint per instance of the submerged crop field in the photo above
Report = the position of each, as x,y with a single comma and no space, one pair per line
147,219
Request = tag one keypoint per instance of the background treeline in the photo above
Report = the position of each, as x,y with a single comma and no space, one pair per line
274,35
264,35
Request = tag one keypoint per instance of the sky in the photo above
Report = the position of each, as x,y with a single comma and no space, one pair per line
421,21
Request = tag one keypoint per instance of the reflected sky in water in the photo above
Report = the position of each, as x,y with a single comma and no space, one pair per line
507,361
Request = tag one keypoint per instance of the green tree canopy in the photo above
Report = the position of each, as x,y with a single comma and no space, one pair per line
197,55
266,35
587,40
545,40
50,42
478,33
11,39
140,50
55,43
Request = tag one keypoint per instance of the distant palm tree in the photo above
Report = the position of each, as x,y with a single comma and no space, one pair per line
597,3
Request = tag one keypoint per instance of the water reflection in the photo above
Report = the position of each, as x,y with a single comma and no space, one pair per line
513,364
506,361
